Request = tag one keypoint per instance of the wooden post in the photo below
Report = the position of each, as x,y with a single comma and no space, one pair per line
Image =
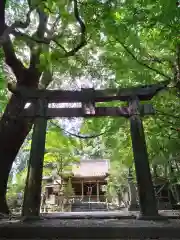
97,191
147,200
32,195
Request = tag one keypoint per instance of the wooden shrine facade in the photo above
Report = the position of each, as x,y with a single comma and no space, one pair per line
88,180
89,98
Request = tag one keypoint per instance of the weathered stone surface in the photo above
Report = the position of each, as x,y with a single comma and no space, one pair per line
88,207
90,229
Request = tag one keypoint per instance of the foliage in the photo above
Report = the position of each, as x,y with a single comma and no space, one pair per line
16,188
117,180
55,37
68,190
60,153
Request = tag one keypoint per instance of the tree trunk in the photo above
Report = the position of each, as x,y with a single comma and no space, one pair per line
13,131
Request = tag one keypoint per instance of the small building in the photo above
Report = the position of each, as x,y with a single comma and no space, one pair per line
88,181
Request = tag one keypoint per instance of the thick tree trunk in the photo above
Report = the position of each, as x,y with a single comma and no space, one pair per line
13,131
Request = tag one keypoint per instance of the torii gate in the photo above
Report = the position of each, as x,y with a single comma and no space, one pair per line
89,97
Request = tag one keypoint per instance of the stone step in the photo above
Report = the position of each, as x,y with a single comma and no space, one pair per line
90,229
84,206
88,210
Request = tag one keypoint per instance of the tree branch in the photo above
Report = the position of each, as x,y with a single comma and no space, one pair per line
156,59
83,41
38,37
17,24
12,61
51,31
46,79
30,39
41,39
142,63
33,39
39,34
10,57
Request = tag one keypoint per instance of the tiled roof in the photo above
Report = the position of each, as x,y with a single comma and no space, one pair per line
91,168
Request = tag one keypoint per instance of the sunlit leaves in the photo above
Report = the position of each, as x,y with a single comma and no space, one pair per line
60,153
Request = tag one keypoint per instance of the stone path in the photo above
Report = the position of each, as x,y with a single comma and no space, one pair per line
90,229
91,225
122,214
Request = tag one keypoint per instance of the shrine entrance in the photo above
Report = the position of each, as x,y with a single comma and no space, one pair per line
133,110
89,190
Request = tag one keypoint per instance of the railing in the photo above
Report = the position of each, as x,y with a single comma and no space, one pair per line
93,198
85,198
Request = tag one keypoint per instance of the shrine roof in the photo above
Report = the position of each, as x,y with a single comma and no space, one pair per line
91,168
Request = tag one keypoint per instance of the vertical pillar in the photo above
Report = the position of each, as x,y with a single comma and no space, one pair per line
32,194
147,200
82,189
97,191
132,194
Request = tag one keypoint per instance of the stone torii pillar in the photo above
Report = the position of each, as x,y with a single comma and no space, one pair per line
32,193
147,200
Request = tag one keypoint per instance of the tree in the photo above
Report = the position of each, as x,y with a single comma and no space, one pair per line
38,70
15,188
59,160
60,153
117,181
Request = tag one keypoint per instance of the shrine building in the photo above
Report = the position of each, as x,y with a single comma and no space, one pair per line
88,180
